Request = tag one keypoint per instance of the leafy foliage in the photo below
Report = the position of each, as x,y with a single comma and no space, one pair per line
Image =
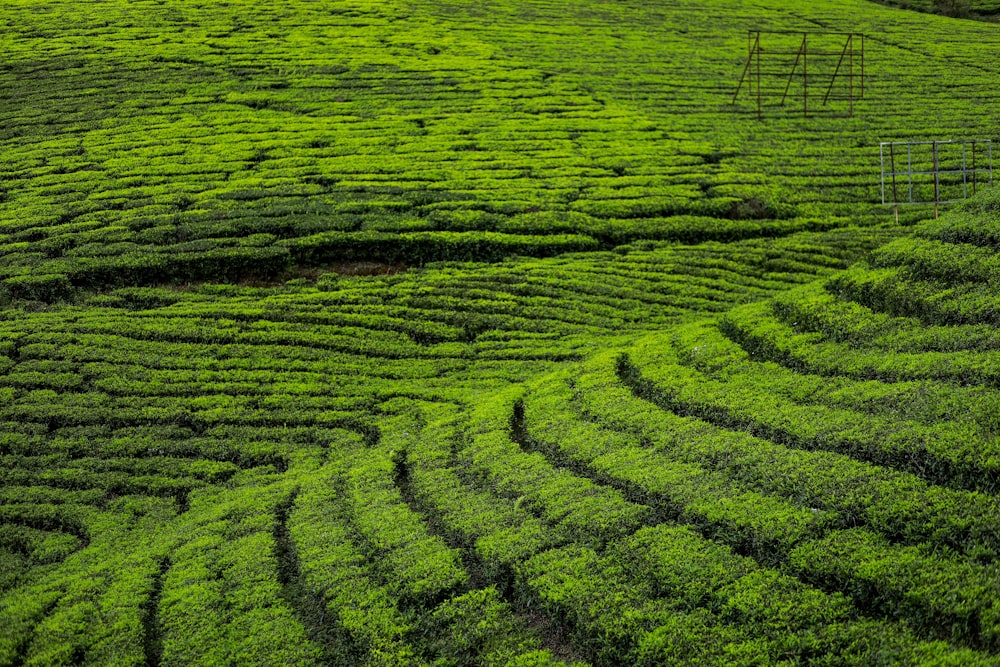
448,333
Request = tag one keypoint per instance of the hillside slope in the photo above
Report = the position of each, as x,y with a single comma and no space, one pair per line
651,410
146,141
503,465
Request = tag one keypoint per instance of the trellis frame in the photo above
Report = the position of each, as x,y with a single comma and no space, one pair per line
966,170
854,45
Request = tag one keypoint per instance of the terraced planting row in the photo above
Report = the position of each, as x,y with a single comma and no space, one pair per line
213,143
615,392
679,65
699,464
590,531
657,525
250,461
358,474
870,416
245,141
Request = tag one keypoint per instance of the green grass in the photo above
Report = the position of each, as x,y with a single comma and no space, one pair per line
449,333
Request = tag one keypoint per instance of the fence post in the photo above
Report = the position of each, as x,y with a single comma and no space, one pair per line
805,76
753,68
760,114
892,167
934,171
862,65
881,161
850,76
909,169
965,183
749,65
836,72
934,148
974,174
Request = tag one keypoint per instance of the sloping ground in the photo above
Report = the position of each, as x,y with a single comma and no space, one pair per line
844,432
146,142
244,462
679,450
464,465
679,63
502,466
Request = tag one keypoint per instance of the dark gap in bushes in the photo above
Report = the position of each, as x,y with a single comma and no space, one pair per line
553,637
870,600
152,639
662,511
259,155
183,501
751,209
53,523
23,642
759,347
361,253
369,432
401,478
920,463
309,606
767,554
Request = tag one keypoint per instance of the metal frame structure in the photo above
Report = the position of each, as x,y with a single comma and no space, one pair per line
966,170
802,54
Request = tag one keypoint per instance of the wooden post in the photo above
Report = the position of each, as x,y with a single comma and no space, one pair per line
752,70
892,170
862,66
965,174
805,76
850,75
973,168
791,75
836,71
749,60
934,146
746,70
757,48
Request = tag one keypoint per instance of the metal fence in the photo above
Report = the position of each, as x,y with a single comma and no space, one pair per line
936,172
770,72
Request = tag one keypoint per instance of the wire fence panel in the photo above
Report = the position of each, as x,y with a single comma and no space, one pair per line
803,65
934,172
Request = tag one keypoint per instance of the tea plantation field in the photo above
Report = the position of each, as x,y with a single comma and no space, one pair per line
978,9
356,332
